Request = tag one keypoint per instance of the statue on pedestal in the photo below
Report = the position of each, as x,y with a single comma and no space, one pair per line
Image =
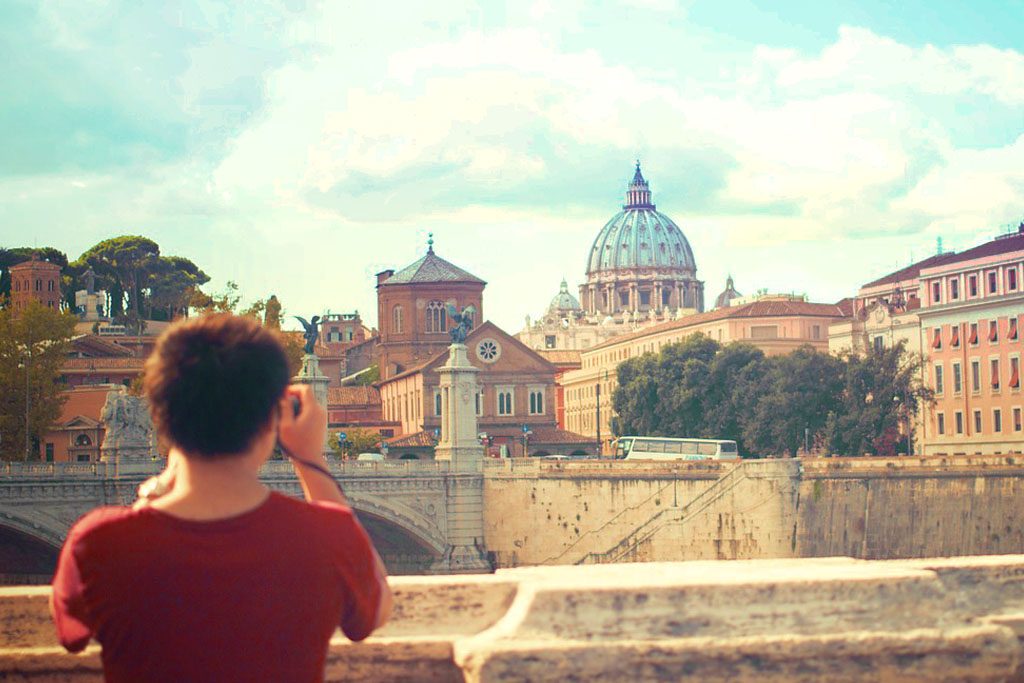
311,333
463,322
127,424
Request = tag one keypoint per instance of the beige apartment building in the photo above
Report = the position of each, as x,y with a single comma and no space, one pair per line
776,325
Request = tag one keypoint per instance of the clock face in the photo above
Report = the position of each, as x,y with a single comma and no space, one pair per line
488,350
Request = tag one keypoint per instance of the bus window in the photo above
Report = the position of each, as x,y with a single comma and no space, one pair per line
688,447
708,449
623,448
673,447
729,448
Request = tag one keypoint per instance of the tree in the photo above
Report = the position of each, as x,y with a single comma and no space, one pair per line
127,261
357,440
797,392
33,347
272,313
367,378
880,394
169,285
725,404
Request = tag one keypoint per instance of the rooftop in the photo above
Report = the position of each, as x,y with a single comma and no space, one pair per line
431,268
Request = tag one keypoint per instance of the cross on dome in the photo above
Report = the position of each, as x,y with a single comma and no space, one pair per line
638,195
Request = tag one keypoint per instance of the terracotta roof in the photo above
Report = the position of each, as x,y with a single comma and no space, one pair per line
103,364
911,271
353,396
755,309
93,343
560,356
846,306
414,369
415,440
1000,245
84,401
430,268
545,434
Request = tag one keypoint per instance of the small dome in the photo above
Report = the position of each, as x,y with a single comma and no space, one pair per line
564,303
725,298
640,237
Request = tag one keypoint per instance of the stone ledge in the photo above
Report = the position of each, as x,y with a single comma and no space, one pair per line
834,619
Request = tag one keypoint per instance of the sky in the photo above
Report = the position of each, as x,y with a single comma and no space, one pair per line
297,148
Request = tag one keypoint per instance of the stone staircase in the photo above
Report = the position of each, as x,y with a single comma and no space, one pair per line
707,498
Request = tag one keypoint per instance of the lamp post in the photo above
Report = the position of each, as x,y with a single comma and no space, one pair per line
600,444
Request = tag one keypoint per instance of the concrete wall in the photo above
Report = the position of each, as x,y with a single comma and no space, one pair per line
600,512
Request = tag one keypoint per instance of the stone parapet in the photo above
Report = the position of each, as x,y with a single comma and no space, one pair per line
830,619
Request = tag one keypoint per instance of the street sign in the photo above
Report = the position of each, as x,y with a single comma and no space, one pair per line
342,436
525,428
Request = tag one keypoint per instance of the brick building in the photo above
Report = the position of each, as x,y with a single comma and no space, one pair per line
412,310
516,389
35,280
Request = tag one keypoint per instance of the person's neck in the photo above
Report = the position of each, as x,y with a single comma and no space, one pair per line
213,489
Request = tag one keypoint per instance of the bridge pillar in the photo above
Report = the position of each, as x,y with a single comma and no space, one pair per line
460,446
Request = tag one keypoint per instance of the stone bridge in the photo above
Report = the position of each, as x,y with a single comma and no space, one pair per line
405,506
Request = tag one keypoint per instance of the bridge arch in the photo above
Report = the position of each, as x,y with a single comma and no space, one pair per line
28,551
409,542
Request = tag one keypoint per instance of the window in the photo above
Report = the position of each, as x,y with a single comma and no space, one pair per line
764,331
975,375
83,440
83,457
505,406
954,289
959,422
997,420
937,338
17,285
972,285
49,286
536,402
49,452
878,344
954,336
623,298
666,297
1015,372
1017,420
958,382
940,423
1011,331
936,292
39,285
972,339
939,384
815,332
992,282
993,331
645,297
437,317
549,341
437,403
977,422
396,320
995,374
1011,279
479,403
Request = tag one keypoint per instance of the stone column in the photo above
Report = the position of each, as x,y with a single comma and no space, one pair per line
460,447
310,374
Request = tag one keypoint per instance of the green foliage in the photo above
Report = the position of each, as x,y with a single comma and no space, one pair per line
357,441
272,313
124,263
169,285
698,388
33,347
370,377
881,390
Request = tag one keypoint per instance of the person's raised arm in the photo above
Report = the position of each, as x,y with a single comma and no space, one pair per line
303,435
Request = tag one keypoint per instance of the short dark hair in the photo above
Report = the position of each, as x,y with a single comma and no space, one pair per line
212,383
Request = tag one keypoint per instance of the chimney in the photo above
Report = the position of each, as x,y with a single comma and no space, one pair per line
384,275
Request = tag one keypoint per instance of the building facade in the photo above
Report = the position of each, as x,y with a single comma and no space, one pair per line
515,403
774,325
413,314
971,316
35,280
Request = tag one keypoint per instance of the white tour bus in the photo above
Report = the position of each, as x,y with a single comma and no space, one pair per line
663,448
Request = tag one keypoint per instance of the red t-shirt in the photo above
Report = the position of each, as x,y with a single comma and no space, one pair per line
250,598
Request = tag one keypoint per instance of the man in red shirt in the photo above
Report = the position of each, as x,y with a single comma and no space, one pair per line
220,579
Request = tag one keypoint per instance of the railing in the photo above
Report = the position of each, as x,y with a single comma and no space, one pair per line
141,467
660,519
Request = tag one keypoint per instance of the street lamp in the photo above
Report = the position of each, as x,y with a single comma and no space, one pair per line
600,445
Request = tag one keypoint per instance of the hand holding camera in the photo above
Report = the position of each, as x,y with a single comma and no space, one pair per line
303,424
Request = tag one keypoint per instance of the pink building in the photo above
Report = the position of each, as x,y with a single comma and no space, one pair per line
971,318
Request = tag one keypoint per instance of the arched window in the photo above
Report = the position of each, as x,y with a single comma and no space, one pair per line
396,320
83,440
39,285
17,285
437,318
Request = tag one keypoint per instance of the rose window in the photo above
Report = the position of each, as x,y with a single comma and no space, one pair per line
488,350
